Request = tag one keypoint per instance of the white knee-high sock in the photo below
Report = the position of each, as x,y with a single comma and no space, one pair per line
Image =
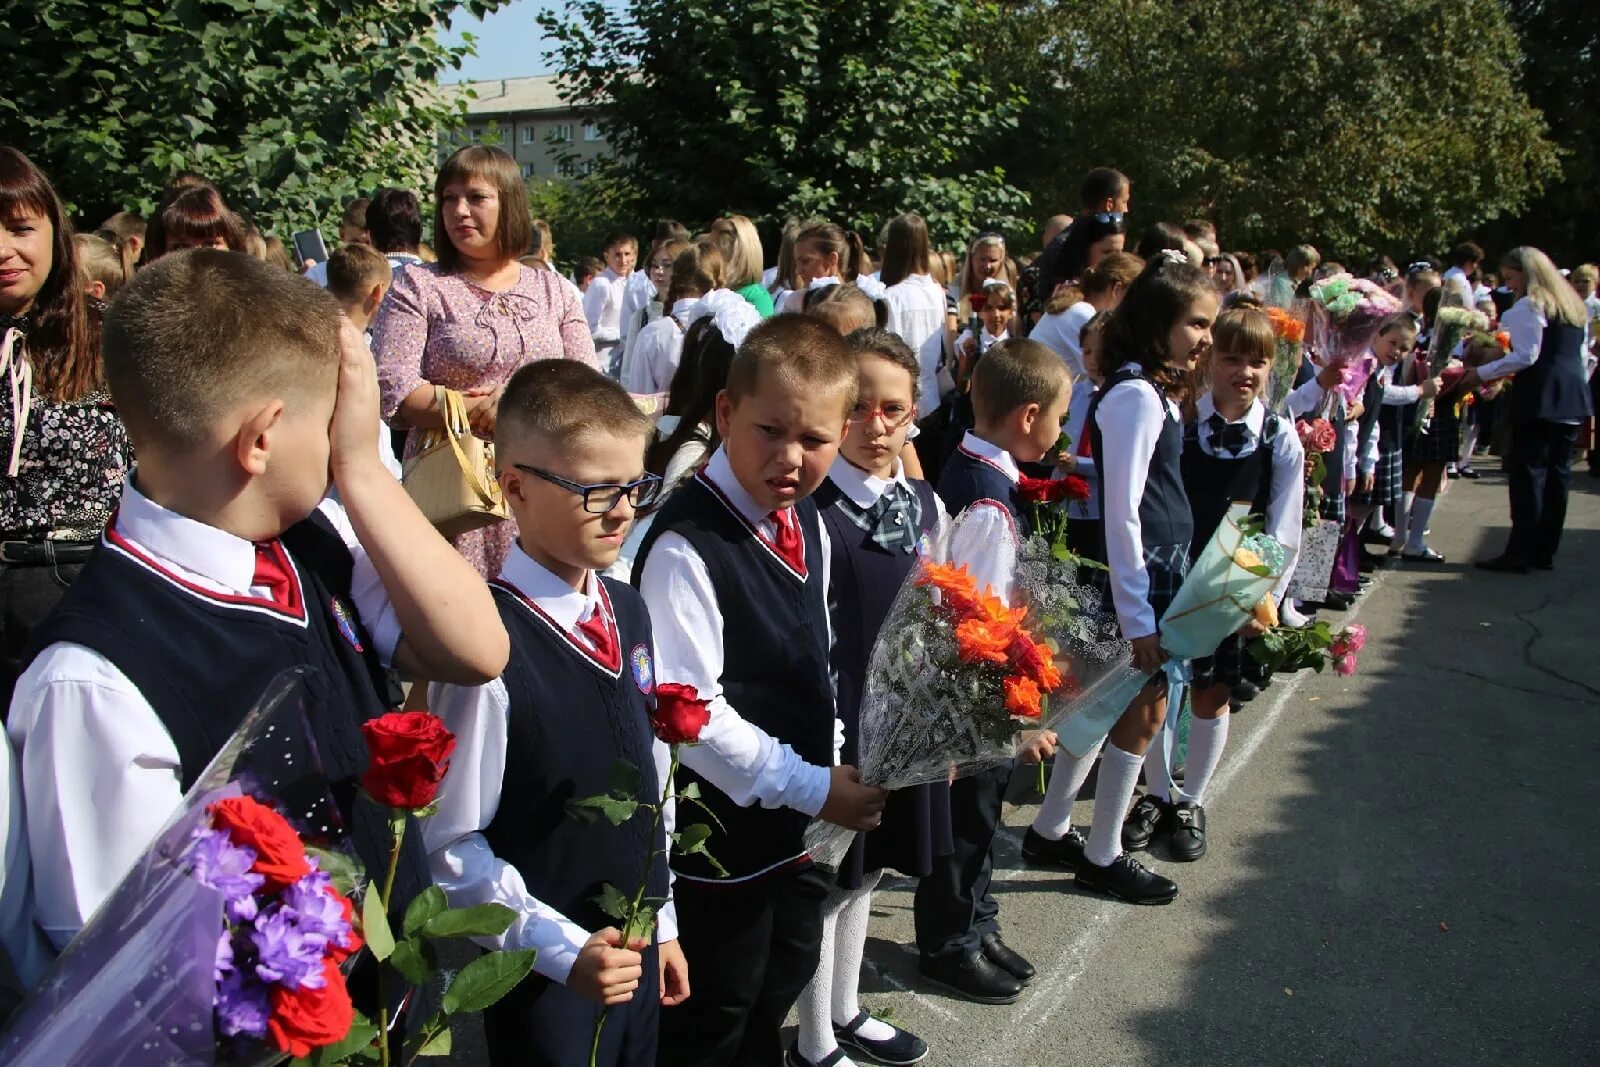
1066,781
849,947
816,1038
1119,773
1421,509
1158,766
1402,521
1207,739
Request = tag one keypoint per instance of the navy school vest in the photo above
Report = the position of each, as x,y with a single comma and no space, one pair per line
1554,388
774,663
571,719
1214,483
968,478
1164,517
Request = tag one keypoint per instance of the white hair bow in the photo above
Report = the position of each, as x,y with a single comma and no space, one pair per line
733,314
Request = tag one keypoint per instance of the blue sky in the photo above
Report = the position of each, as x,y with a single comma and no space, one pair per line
508,42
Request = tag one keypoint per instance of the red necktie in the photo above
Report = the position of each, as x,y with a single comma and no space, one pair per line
272,574
599,636
788,542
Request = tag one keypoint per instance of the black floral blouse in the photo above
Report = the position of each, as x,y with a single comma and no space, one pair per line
70,471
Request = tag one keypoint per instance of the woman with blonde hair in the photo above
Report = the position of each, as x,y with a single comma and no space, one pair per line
986,264
1549,326
742,251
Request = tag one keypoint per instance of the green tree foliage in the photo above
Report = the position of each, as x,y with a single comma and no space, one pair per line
1561,42
850,111
1394,126
291,106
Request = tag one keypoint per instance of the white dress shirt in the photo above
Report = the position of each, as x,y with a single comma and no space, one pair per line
738,757
657,350
1286,498
1457,284
1062,333
460,858
864,489
984,536
1305,398
1083,390
1525,321
27,956
916,316
1131,417
99,771
602,306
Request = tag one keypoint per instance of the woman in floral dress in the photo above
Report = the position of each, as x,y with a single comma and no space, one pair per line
471,320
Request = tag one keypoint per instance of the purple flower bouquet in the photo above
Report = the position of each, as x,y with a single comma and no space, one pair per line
225,919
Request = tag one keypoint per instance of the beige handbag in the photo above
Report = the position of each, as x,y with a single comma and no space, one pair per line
452,478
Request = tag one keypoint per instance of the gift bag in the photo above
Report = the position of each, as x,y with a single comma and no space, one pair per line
1319,550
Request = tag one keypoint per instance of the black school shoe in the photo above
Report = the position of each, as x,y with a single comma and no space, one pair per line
1007,958
972,977
1128,880
1337,601
1043,852
1148,818
897,1051
1188,842
792,1058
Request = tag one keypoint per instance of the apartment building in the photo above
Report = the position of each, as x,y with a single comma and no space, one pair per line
528,118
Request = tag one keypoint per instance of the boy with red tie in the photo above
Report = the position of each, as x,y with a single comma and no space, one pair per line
575,699
735,571
226,564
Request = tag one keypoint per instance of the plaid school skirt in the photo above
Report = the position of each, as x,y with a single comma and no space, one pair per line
1387,477
1442,442
1225,666
1167,565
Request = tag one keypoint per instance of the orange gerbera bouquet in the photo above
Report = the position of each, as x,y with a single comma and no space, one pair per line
1289,332
992,641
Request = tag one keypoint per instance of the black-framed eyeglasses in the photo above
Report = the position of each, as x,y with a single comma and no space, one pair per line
603,497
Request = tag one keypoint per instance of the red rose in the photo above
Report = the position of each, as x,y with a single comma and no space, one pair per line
1072,487
680,714
410,753
304,1019
280,855
1035,490
352,942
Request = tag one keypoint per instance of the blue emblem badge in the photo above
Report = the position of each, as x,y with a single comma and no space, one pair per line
346,622
644,674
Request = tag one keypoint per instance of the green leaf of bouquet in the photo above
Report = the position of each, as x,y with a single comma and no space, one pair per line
486,979
1261,570
429,903
344,871
362,1031
615,810
691,840
690,792
480,920
375,924
697,802
437,1045
624,779
642,924
611,901
416,960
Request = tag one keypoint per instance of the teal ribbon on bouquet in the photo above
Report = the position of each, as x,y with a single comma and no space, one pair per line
1179,675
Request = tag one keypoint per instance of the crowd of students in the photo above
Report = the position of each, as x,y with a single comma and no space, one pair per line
817,425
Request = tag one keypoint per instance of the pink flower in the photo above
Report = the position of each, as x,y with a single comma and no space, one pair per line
1344,666
1355,637
1340,647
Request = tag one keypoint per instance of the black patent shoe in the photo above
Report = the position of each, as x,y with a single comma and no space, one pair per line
1128,880
1188,841
1148,818
972,977
901,1050
1007,958
1043,852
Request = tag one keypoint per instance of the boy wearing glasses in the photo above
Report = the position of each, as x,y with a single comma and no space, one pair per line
735,570
574,699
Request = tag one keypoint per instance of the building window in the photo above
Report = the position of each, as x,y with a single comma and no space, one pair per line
590,166
527,170
591,132
528,135
561,132
477,135
565,168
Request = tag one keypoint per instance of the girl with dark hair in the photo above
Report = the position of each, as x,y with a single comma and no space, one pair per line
824,253
65,452
1151,345
1092,238
916,307
196,218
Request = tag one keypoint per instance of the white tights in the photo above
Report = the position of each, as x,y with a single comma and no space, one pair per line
833,995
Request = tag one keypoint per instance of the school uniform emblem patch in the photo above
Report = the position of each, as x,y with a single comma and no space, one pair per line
644,673
345,619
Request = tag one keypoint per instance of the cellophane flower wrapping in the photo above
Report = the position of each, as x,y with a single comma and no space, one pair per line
1345,313
1289,334
143,982
926,712
1235,569
1450,327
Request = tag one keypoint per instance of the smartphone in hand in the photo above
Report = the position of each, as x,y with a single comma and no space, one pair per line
309,245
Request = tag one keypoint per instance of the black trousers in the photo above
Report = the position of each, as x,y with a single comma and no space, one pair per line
27,593
954,908
1539,470
751,949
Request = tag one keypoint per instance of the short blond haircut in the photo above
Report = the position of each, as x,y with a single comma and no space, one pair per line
198,332
800,351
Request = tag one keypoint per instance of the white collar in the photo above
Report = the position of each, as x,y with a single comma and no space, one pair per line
1254,418
989,339
863,489
681,309
610,275
719,472
991,454
566,606
211,553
